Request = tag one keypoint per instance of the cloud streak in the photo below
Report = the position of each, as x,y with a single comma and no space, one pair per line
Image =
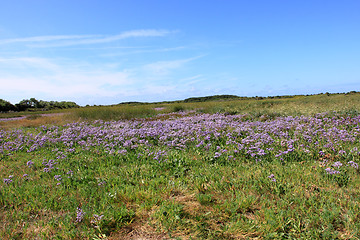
82,75
162,68
70,40
52,78
45,38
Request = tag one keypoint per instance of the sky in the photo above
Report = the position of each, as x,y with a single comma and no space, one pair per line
103,52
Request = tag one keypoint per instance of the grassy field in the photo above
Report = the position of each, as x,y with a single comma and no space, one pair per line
238,169
294,106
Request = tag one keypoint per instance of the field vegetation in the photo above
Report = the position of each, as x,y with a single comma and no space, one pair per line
273,168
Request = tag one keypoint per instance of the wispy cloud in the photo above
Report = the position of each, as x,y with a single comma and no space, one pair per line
21,63
41,76
143,50
81,75
161,68
46,38
189,81
70,40
58,79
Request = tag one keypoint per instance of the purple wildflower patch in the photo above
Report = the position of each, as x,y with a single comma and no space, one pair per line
79,215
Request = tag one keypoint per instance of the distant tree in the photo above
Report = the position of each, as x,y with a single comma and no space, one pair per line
211,98
44,105
6,106
34,103
23,105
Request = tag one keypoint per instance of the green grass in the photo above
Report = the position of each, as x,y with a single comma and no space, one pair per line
207,201
191,195
115,112
268,108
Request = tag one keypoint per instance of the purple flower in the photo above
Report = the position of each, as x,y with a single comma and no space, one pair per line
122,152
96,219
58,177
30,163
353,164
331,171
272,177
337,164
79,214
101,183
7,180
342,152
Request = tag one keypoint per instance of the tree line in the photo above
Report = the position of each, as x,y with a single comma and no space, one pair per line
34,104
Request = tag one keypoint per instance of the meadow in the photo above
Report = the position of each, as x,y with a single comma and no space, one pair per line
283,168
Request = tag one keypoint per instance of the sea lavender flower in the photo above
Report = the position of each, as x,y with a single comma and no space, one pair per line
342,152
25,176
79,214
353,164
331,171
354,150
122,152
101,183
96,219
58,178
8,180
50,165
30,163
272,177
200,143
337,164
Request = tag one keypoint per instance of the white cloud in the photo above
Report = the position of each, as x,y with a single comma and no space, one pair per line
162,68
144,51
70,85
46,38
46,77
69,76
70,40
191,80
28,62
82,80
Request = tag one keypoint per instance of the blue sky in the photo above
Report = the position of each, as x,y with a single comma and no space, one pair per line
106,52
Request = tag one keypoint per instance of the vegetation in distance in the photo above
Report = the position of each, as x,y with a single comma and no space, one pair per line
255,107
35,105
271,107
